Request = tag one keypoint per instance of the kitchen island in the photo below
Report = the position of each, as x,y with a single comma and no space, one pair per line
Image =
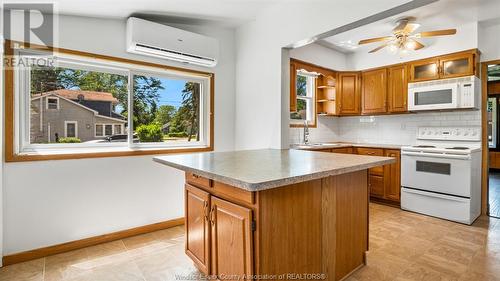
276,214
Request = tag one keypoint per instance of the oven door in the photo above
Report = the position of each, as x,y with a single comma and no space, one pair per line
433,97
441,173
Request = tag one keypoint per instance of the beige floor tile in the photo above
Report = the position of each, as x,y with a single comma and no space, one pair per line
174,233
127,271
139,241
417,272
66,265
106,249
26,271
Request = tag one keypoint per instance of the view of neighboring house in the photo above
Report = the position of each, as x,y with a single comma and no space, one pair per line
85,115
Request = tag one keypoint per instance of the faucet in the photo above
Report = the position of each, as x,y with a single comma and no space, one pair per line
306,132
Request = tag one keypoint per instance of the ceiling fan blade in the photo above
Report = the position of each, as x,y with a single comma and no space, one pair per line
411,27
401,26
378,48
436,33
418,45
373,40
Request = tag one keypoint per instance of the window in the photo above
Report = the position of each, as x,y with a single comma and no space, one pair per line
70,129
52,103
123,104
305,95
99,130
117,130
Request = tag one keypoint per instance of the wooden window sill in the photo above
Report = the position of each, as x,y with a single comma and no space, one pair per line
68,154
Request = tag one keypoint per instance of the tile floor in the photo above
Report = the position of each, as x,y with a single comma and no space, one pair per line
403,246
494,194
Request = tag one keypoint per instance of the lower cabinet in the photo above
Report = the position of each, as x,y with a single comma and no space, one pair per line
218,234
198,227
231,239
392,177
384,182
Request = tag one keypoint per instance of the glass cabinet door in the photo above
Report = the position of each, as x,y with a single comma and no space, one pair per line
424,70
460,65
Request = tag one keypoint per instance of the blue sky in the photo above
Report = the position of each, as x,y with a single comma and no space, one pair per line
172,94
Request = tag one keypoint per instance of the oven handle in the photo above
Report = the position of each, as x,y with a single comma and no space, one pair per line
437,155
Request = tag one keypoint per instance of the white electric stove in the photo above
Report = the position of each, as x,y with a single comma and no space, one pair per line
441,174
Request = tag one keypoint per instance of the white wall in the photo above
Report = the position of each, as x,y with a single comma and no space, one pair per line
52,202
489,41
261,104
320,55
465,39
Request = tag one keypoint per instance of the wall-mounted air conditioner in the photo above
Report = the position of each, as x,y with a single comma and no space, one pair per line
158,40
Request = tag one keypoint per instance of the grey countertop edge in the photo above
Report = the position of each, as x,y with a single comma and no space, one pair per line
249,186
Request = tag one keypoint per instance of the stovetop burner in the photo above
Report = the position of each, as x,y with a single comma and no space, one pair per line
424,146
458,148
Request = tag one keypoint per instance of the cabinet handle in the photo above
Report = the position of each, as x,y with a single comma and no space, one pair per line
195,176
205,211
370,153
212,215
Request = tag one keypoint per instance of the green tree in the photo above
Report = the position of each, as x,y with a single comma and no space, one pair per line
186,118
164,114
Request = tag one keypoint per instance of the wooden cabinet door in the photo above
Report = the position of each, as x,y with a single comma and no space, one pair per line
398,88
197,203
457,65
232,251
392,176
424,70
376,185
348,93
374,95
372,152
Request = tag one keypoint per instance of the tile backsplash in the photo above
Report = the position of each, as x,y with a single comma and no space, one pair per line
383,129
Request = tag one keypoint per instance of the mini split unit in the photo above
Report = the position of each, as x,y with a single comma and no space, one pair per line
162,41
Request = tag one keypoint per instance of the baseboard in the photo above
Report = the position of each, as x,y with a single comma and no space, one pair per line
86,242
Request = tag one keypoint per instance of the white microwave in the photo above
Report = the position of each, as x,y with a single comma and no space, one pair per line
444,94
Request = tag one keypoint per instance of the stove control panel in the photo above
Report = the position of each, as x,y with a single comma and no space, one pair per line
449,133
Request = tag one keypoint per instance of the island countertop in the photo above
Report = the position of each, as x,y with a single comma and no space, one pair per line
255,170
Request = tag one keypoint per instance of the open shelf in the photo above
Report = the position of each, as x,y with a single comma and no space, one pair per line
326,87
326,95
326,100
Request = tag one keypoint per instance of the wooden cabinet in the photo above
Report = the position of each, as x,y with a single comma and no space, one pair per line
374,91
349,93
197,227
231,238
344,150
384,181
376,185
456,65
494,160
219,236
424,70
326,95
392,176
397,88
443,67
378,171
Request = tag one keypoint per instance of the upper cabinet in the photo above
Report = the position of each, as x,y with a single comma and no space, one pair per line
374,93
442,67
397,88
349,93
423,70
457,65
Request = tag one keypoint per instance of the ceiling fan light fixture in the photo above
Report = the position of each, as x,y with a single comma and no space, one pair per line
410,45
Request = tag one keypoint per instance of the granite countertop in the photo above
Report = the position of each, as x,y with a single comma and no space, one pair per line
255,170
330,145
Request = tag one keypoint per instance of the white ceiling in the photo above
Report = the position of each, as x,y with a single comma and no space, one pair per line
440,15
230,13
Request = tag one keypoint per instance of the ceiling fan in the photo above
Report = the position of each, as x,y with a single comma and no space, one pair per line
402,37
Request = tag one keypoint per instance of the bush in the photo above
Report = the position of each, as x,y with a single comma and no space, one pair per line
149,133
178,135
69,140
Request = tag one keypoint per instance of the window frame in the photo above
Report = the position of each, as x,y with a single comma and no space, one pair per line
73,151
310,99
47,103
66,128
